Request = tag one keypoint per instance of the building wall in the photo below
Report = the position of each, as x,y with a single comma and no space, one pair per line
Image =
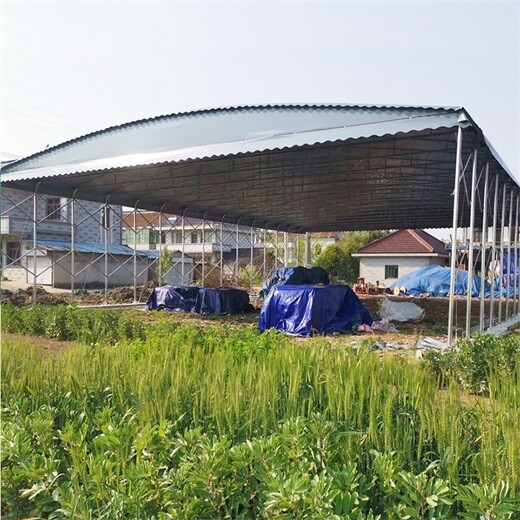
372,269
17,205
93,276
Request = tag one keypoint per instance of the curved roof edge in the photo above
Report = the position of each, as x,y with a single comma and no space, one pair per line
211,110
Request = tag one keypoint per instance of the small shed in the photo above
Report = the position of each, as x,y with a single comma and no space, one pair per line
402,252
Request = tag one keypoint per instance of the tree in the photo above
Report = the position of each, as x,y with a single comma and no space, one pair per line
164,265
337,259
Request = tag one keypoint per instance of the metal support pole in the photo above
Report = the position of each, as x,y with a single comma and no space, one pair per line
286,248
516,277
483,251
135,250
202,271
471,243
453,263
105,242
297,248
276,249
222,252
251,259
501,259
492,265
160,265
237,240
72,244
308,255
35,236
264,264
509,235
183,239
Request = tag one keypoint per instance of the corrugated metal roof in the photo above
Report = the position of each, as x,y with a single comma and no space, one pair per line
86,247
307,167
222,132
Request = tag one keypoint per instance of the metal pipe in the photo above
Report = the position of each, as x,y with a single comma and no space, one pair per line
509,235
183,238
285,248
237,240
222,252
501,261
264,265
134,259
471,243
276,248
251,258
35,234
308,255
72,244
105,241
483,251
297,247
203,249
516,277
160,266
453,263
492,266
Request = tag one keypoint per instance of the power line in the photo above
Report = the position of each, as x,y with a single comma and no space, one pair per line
45,120
48,111
36,126
9,154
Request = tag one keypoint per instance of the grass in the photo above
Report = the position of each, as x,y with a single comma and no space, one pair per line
177,421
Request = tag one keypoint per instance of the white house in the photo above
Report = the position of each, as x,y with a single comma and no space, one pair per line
208,239
399,253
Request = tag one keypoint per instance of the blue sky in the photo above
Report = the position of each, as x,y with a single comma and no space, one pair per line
69,68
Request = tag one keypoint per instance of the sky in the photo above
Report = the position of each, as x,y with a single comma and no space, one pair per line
69,68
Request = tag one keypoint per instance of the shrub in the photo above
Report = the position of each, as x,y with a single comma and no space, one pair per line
474,359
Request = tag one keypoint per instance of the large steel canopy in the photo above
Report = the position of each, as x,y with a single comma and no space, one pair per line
292,167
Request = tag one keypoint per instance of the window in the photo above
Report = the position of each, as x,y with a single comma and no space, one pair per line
12,252
177,237
153,237
194,238
391,271
53,210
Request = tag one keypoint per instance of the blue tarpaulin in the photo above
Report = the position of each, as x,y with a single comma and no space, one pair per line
295,276
513,269
222,301
199,299
435,281
302,310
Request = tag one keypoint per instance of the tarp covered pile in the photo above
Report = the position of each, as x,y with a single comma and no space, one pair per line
434,280
303,310
199,299
295,276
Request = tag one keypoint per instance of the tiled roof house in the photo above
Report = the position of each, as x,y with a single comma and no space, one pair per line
402,252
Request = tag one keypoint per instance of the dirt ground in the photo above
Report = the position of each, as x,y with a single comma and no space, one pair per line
434,323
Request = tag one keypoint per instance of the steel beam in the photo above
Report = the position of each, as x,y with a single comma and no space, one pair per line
483,251
501,260
35,234
453,263
492,264
516,277
72,245
471,243
308,252
509,235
